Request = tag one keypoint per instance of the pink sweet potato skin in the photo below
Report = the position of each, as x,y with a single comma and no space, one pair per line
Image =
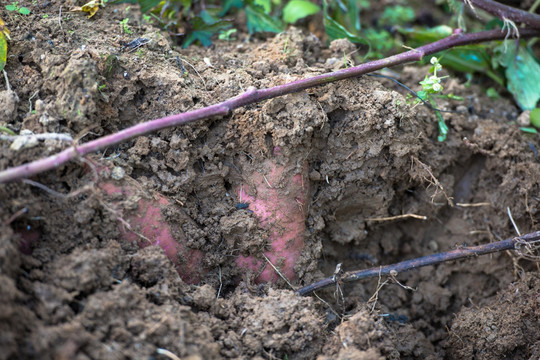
148,220
280,202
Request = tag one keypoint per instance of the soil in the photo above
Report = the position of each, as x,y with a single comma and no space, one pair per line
73,287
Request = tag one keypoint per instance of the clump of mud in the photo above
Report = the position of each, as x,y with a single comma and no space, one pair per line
484,333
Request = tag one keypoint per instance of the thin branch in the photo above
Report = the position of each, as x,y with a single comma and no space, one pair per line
404,216
251,96
462,253
505,12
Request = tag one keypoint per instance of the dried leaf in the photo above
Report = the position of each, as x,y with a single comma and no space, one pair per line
90,7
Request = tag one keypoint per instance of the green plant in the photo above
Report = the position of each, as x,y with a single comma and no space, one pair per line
147,19
125,27
298,9
14,7
226,34
431,86
7,130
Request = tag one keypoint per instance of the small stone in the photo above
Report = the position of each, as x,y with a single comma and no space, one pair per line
24,141
9,101
524,119
118,173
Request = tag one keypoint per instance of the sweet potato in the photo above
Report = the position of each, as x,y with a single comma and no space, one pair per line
149,226
278,196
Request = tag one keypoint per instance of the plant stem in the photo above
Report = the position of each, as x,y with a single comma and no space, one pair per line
251,96
463,253
505,12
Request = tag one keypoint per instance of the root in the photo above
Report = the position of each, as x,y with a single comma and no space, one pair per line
432,180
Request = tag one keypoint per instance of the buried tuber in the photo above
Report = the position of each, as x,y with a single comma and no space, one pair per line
277,195
147,225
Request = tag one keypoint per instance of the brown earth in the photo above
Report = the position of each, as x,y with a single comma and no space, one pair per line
72,287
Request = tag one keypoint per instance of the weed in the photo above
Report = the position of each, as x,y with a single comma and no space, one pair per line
125,27
14,7
226,35
431,86
148,19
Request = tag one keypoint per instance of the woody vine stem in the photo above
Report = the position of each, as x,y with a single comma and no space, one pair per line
508,14
525,245
251,96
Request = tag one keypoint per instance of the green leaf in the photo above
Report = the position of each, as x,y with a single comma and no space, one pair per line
11,7
298,9
226,34
522,74
466,59
259,21
204,30
396,15
354,14
423,36
529,130
207,18
24,11
469,59
535,117
335,30
7,130
146,5
3,50
229,4
265,4
381,42
492,93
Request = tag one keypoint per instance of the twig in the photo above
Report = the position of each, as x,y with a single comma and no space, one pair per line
193,67
433,181
251,96
167,353
278,272
463,253
60,18
375,297
8,85
512,219
404,216
473,204
13,217
220,284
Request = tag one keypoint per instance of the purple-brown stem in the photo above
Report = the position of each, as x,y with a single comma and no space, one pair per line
251,96
505,12
462,253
